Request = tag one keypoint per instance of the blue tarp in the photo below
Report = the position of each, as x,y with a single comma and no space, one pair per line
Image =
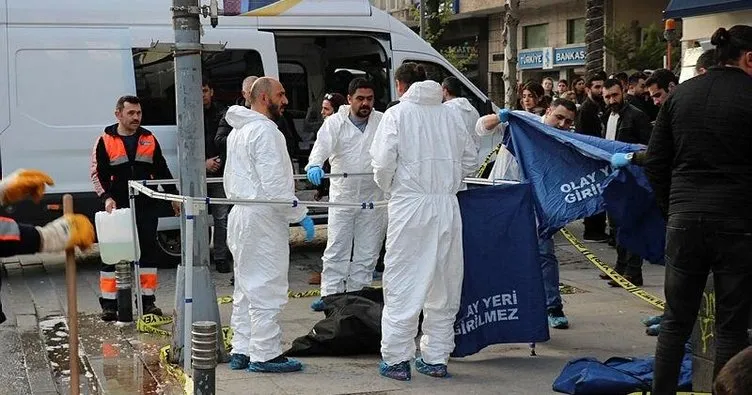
688,8
572,179
615,376
502,292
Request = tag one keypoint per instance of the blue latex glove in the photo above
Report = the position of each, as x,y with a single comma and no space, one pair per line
619,160
315,174
504,115
307,224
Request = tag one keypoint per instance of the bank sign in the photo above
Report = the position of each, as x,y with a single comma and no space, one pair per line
548,57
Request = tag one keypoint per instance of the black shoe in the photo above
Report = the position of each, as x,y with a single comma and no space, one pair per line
108,315
152,309
636,280
612,241
223,267
593,236
605,276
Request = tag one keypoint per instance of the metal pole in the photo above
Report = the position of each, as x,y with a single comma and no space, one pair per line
70,280
124,279
188,307
421,9
190,123
204,357
136,252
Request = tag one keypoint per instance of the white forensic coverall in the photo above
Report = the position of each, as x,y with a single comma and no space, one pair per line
258,167
346,148
505,166
469,115
420,159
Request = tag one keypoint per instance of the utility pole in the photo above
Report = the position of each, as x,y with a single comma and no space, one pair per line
190,123
509,40
421,11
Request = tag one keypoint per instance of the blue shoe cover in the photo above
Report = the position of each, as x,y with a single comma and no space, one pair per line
318,305
652,320
653,330
560,322
239,361
438,370
276,365
400,371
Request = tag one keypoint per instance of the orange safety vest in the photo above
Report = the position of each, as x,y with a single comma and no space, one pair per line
115,148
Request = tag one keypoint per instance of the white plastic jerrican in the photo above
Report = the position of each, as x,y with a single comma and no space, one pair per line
115,236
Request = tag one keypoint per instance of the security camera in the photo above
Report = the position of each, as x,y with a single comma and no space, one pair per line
214,12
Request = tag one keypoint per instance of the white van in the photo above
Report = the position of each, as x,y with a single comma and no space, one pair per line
64,63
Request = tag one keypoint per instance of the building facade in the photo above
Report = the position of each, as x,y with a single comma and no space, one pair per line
551,34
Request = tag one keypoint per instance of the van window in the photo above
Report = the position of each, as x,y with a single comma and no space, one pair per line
294,78
438,73
155,79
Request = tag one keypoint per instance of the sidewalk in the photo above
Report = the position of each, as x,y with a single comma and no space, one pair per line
604,322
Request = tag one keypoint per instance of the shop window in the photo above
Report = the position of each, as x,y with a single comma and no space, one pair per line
155,79
535,36
576,31
438,73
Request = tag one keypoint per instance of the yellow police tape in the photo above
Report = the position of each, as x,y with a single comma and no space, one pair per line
185,381
150,323
623,282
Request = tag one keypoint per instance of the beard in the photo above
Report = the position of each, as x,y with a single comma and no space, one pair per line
616,107
275,110
364,112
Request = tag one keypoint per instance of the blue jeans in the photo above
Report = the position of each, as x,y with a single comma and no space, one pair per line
550,270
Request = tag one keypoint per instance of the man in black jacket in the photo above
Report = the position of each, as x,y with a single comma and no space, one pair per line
698,163
589,122
637,95
213,115
625,123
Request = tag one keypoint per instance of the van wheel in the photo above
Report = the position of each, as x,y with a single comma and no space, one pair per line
169,248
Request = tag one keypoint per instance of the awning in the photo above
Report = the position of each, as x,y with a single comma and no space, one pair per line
688,8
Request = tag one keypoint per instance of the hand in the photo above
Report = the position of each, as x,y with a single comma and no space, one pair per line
176,208
504,115
619,160
212,165
23,184
315,174
310,231
110,205
68,231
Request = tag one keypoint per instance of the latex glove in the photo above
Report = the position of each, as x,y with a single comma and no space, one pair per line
619,160
504,115
68,231
315,174
310,231
22,184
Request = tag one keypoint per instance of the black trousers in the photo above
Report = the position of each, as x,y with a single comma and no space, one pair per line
147,219
697,244
595,224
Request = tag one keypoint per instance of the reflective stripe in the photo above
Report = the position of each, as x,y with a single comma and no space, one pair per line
148,277
144,158
109,295
115,148
9,230
107,285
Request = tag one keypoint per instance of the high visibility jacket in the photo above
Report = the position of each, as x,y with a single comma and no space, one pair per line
113,165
